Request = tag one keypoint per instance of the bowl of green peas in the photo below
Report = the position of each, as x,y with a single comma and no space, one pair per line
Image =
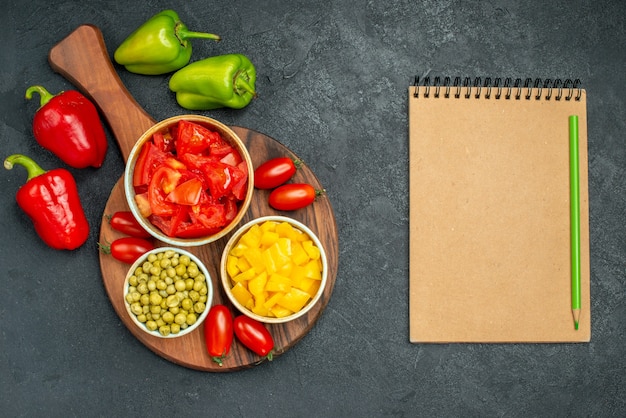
168,292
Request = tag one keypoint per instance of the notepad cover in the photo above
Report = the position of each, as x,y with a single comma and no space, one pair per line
490,219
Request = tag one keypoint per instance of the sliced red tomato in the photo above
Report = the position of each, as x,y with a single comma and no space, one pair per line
194,139
187,193
143,204
148,160
212,216
163,182
232,158
163,141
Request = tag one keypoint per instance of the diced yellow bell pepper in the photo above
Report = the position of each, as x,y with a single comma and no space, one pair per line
299,256
258,307
312,270
268,226
280,312
238,250
278,283
311,249
269,262
255,258
252,237
285,270
285,230
311,286
242,264
279,256
284,245
256,286
241,294
268,238
246,275
271,301
294,300
231,265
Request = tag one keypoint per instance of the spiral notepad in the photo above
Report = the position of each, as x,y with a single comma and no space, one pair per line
490,210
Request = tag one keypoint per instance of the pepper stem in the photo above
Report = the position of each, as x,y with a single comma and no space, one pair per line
32,168
182,33
241,84
45,94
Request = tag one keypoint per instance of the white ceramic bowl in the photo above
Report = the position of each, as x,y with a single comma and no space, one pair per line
226,280
200,317
230,136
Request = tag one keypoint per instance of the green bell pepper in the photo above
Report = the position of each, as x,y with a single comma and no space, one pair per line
215,82
159,46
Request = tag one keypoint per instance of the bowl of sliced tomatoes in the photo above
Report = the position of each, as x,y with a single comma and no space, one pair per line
189,180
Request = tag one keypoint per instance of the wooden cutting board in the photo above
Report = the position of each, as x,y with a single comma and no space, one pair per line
82,58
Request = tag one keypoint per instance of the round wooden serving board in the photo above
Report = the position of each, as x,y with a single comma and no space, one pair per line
82,59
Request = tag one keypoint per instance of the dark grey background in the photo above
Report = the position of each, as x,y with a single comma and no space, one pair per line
333,78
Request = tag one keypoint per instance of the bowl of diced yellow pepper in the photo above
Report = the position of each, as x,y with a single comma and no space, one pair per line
274,269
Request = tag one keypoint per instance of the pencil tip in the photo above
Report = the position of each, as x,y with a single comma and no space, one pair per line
576,325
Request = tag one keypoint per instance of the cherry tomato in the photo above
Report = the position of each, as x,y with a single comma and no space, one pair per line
127,249
218,332
274,172
293,196
254,336
125,222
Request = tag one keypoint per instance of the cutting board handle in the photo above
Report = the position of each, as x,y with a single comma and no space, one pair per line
82,58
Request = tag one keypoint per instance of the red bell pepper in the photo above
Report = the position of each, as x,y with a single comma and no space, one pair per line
68,125
51,200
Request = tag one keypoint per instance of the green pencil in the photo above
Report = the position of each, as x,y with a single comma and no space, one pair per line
574,216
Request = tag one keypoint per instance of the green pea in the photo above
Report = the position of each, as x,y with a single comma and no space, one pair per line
174,328
185,260
136,308
189,284
164,330
142,288
144,300
187,304
180,318
151,285
155,298
151,325
146,266
192,270
152,257
180,269
168,317
132,280
191,319
172,301
198,307
142,318
180,285
155,271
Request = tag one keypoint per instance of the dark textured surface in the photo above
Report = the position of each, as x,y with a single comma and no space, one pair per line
332,87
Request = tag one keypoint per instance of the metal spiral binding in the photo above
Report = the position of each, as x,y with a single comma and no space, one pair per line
516,89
